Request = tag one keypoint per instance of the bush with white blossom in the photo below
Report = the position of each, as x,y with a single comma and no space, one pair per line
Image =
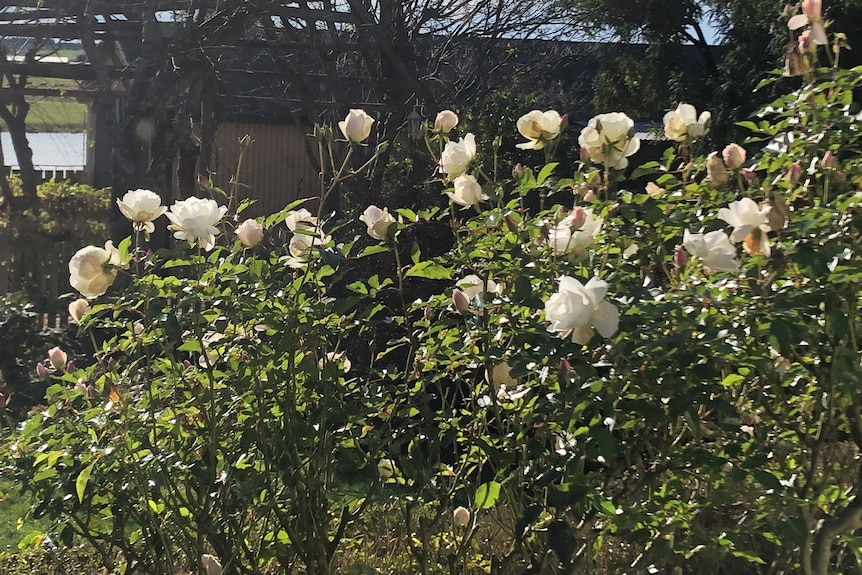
662,371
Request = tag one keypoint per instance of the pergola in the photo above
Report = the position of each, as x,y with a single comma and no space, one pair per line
166,72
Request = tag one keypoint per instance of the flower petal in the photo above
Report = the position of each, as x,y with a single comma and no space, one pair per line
606,319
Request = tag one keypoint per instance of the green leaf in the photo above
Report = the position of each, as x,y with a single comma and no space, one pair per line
375,249
81,481
192,345
546,172
408,214
429,270
487,494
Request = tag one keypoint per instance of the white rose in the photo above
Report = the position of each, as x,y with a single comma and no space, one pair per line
539,127
301,245
457,156
250,233
356,127
300,218
141,207
750,225
713,249
684,123
467,192
609,139
92,270
576,309
564,240
194,220
378,221
445,121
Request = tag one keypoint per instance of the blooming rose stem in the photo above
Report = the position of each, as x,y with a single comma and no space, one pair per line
137,247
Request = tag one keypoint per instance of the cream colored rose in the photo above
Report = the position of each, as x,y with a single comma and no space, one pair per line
684,123
377,221
92,270
467,191
356,127
539,128
141,207
457,156
610,139
250,233
194,220
576,309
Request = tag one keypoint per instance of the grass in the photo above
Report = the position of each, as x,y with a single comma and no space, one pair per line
12,506
49,114
56,115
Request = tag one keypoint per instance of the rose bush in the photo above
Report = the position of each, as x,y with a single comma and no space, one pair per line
264,408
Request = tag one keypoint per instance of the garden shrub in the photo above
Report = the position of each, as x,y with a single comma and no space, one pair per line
43,238
592,376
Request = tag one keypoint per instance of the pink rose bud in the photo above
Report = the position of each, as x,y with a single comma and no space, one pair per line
749,175
578,218
57,357
828,160
70,367
794,172
813,9
187,364
445,121
565,367
733,156
250,233
590,196
42,371
564,121
460,301
585,154
203,180
518,171
680,257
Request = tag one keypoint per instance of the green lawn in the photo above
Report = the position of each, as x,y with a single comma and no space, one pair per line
56,115
12,506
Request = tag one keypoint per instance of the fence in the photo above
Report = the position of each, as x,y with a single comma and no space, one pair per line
45,173
46,279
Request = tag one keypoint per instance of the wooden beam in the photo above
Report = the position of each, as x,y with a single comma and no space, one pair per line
69,71
71,30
